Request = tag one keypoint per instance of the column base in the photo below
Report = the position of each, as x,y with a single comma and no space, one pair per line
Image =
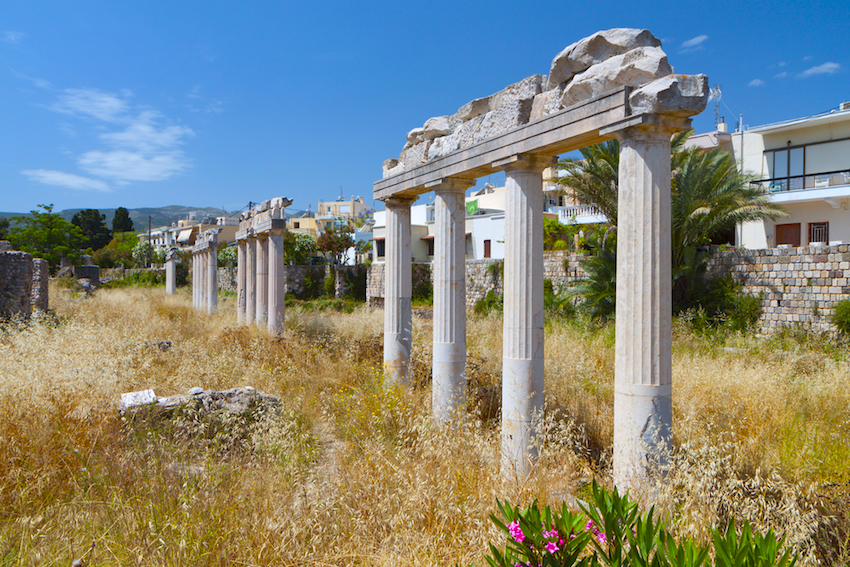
449,380
522,408
643,417
397,357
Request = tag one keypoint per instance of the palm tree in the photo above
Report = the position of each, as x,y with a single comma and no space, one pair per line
709,196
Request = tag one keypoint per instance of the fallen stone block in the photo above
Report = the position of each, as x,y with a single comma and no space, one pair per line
683,95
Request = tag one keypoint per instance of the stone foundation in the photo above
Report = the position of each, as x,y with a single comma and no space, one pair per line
16,273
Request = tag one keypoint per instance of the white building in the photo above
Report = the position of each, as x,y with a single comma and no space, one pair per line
805,164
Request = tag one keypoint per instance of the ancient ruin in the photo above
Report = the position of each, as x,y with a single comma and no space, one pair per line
261,270
171,271
616,83
205,271
23,282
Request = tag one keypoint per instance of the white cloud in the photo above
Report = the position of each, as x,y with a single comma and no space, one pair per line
94,103
62,179
693,44
756,83
123,165
140,145
201,104
12,37
781,75
828,68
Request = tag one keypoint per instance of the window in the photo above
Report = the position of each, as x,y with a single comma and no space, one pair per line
788,234
818,232
380,248
430,242
789,168
486,248
296,224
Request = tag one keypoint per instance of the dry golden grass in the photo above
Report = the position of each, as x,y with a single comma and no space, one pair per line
353,473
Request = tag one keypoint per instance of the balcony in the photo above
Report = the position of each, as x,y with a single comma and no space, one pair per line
804,182
578,214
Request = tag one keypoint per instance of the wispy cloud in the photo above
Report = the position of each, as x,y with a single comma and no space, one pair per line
198,103
12,36
139,144
828,68
693,44
63,179
40,83
756,83
781,75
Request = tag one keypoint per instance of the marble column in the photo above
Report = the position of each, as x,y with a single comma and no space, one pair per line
398,316
171,272
522,344
449,357
642,367
261,259
250,280
212,279
277,282
196,282
240,282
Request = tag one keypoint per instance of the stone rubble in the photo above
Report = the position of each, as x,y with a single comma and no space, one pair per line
234,400
588,68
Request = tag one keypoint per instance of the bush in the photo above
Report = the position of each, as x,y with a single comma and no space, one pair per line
723,302
841,317
488,303
611,531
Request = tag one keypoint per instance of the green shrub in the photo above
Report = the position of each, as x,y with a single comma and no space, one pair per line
491,301
841,317
611,531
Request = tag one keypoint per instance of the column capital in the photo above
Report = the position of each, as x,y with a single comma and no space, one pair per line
451,184
526,162
399,202
648,126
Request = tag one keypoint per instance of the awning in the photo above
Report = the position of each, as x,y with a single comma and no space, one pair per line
380,238
184,235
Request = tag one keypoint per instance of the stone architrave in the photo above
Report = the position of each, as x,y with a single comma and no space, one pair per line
642,368
240,282
171,272
398,315
449,357
522,357
261,259
277,283
250,280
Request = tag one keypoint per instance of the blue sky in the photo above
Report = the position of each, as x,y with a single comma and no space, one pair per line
134,104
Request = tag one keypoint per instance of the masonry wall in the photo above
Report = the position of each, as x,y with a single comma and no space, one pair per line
799,285
484,275
40,277
15,283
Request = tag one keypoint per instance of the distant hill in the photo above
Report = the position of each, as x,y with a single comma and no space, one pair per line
160,216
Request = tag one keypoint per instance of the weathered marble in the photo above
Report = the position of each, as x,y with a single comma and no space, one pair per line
398,317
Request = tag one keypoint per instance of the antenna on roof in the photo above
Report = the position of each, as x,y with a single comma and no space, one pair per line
715,94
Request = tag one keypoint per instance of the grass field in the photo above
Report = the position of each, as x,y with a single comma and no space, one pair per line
353,473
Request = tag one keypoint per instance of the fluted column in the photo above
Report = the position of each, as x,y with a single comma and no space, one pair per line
642,368
398,322
522,344
196,282
449,357
277,283
212,278
261,258
250,280
240,282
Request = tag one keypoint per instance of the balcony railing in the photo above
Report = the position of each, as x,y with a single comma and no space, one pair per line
565,214
803,182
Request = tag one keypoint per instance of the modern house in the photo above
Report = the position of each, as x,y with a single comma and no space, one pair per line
182,233
805,164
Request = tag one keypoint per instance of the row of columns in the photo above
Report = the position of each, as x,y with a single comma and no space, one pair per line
643,384
205,271
261,281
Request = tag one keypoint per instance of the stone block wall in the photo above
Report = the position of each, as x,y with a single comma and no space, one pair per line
798,285
40,277
16,272
483,275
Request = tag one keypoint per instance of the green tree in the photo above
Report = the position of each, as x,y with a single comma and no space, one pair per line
121,221
4,229
93,226
298,247
709,196
47,235
336,240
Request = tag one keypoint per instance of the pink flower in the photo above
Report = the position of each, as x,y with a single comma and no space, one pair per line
516,532
589,525
550,534
552,547
600,536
